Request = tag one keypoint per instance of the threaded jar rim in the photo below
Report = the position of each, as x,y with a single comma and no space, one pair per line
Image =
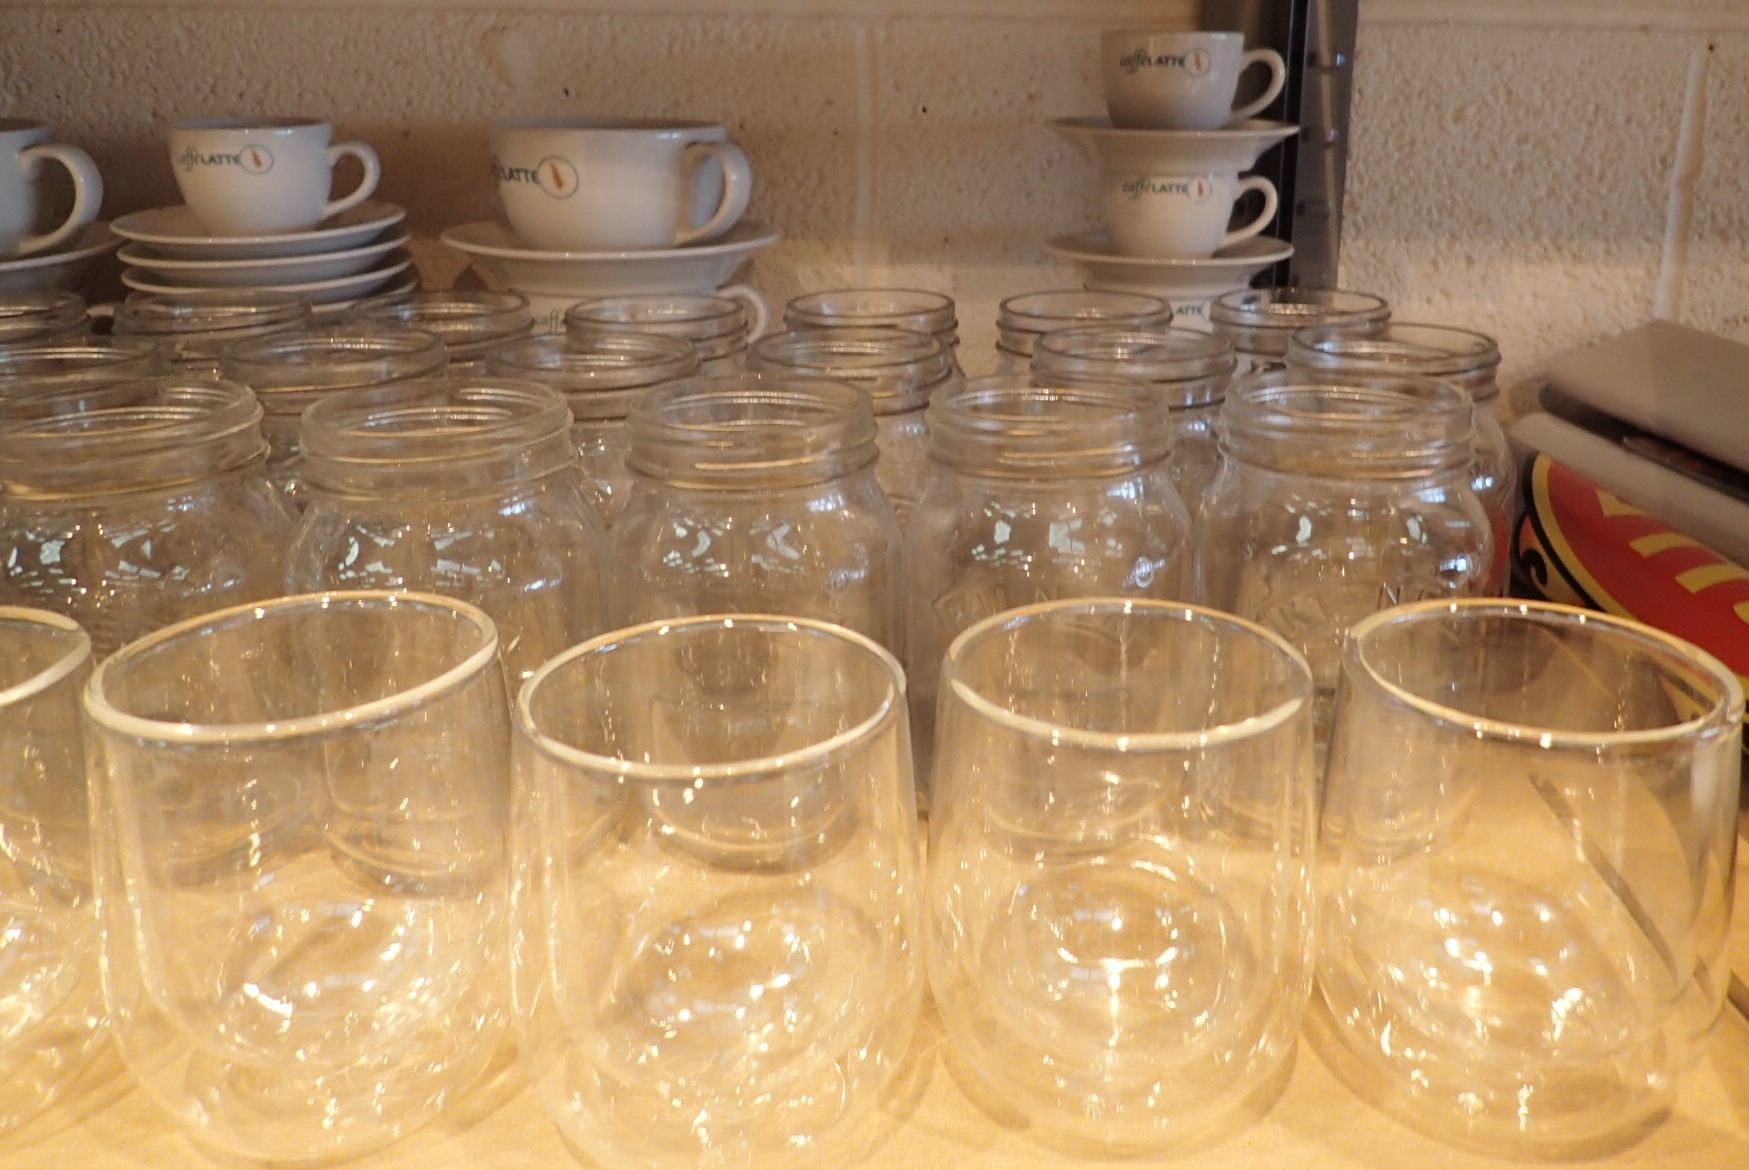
918,310
897,368
1023,318
1345,426
1260,320
468,322
1192,369
290,370
1008,426
1444,352
598,370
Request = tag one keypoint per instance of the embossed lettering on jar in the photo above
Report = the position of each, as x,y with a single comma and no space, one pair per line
466,488
755,493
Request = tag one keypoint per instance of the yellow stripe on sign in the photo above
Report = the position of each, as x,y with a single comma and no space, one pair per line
1658,542
1706,576
1614,505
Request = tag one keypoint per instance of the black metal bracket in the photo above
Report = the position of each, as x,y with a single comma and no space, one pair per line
1316,38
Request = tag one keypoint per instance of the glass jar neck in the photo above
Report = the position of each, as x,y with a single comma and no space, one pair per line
469,324
1189,370
150,434
194,327
896,368
1466,359
1294,422
1259,321
288,371
41,317
1022,320
913,310
598,371
1006,427
435,439
750,432
716,326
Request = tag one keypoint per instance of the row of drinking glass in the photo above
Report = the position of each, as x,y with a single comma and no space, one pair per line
331,862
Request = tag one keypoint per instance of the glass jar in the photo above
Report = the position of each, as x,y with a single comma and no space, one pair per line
1338,497
1022,320
879,308
191,328
718,327
469,324
1190,370
755,493
41,318
148,507
465,488
289,371
599,372
1037,493
1466,359
899,370
82,363
1261,320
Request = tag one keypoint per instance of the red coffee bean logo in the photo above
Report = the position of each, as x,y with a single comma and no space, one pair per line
1200,189
556,177
256,160
1197,62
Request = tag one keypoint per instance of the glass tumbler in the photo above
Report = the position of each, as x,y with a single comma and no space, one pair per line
51,1010
1260,321
879,308
136,504
718,327
1526,898
1190,370
717,893
898,369
293,369
469,488
469,323
41,318
191,328
755,493
599,372
1119,898
299,823
1022,320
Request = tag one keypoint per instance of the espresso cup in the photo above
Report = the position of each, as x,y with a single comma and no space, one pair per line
594,186
261,176
24,146
1179,216
1181,80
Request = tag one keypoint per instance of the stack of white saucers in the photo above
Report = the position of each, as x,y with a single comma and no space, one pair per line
59,269
354,254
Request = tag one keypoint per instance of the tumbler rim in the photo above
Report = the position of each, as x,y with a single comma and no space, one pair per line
1156,741
77,653
890,707
111,718
1725,713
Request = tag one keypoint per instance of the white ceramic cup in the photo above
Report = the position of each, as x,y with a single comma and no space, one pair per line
1179,216
1181,80
261,176
597,186
24,146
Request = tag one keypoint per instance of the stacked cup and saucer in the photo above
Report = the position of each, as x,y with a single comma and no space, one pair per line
598,208
42,248
1171,159
257,215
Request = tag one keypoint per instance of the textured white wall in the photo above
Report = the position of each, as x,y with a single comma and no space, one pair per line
1549,172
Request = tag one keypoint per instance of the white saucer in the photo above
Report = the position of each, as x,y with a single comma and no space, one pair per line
175,232
1227,269
698,268
1172,152
317,292
58,271
259,272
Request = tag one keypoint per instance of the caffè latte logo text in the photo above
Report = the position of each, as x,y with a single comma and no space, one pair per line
252,159
552,174
1195,189
1195,63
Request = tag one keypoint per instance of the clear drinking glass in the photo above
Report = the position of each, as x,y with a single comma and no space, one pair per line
469,323
1119,906
136,504
754,493
469,488
299,828
1260,321
717,326
717,893
599,372
1459,356
291,370
1526,897
41,318
898,369
191,328
1190,370
51,1010
1022,320
879,308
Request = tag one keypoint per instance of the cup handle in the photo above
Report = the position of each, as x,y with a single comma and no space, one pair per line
1277,79
373,171
87,191
737,188
758,312
1254,183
